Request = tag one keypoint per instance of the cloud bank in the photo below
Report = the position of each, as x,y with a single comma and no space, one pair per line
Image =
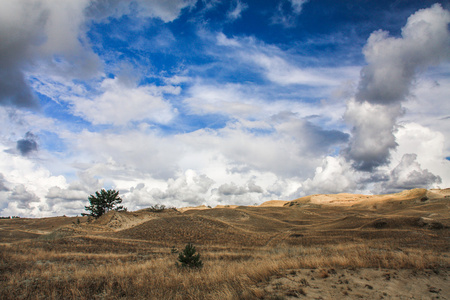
164,103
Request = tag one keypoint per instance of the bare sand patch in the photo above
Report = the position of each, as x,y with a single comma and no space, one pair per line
364,283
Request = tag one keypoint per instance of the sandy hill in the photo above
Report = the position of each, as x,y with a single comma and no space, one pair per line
368,200
274,203
312,220
348,246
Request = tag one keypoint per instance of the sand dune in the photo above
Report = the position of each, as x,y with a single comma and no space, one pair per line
344,199
328,246
274,203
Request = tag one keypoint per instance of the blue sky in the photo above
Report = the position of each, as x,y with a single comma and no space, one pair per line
187,103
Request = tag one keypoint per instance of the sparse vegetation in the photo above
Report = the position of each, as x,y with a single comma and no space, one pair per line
242,251
102,202
111,269
10,217
157,208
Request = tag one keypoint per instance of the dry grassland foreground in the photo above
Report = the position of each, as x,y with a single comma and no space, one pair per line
317,247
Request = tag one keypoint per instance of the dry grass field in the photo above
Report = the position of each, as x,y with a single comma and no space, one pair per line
317,247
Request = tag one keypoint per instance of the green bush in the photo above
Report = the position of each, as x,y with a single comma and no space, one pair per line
157,208
188,259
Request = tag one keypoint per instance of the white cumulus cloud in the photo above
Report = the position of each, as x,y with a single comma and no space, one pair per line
385,82
121,102
408,174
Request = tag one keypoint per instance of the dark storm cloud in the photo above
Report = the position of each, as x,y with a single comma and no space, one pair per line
322,139
313,137
17,37
372,134
22,31
13,88
27,144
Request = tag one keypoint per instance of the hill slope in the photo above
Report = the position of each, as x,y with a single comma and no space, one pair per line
320,246
313,219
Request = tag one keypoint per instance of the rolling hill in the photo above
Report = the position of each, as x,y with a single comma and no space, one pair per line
249,252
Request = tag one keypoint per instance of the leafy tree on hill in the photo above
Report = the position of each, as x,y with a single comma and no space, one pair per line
102,202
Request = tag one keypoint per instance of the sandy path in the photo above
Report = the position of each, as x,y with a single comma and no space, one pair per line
359,284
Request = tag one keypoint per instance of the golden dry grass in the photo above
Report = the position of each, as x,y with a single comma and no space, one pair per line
241,248
36,273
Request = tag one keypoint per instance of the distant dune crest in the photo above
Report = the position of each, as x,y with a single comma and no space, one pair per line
345,199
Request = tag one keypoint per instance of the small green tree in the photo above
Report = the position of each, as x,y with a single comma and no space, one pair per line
188,258
102,202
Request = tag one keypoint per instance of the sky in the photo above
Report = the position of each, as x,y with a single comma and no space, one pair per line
186,103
